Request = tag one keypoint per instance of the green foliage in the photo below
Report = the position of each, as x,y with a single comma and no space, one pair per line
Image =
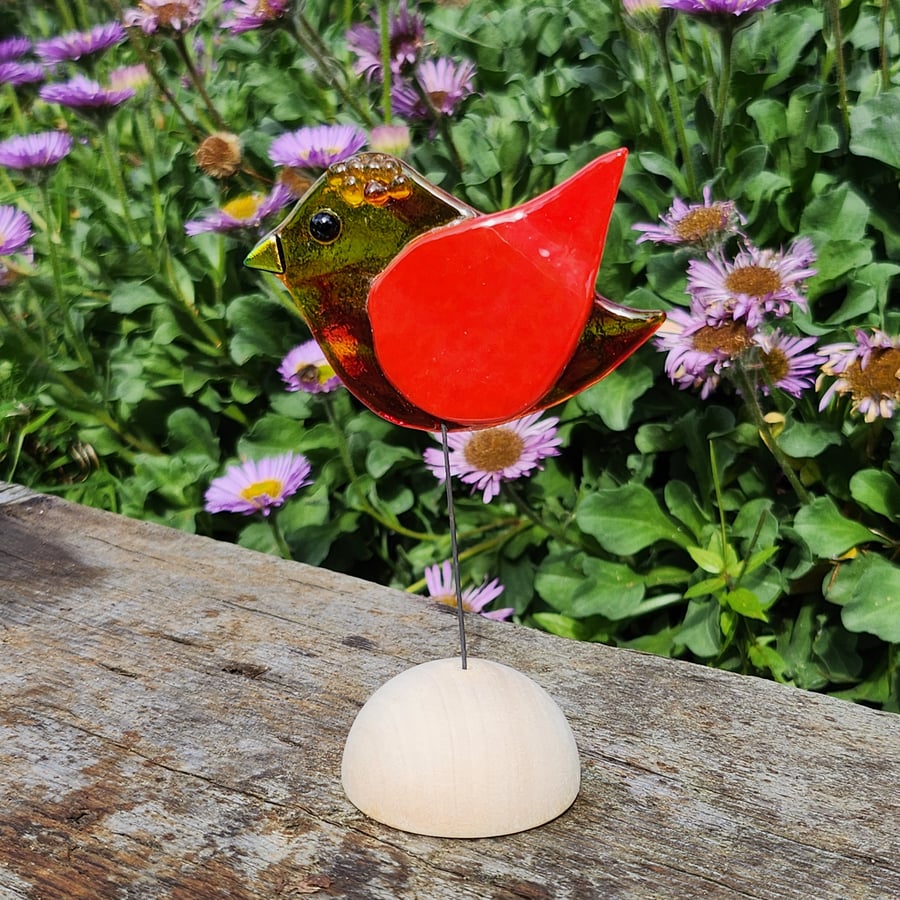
136,362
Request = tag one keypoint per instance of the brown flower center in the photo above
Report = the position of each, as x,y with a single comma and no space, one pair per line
880,378
493,449
308,374
697,225
169,13
219,155
729,337
776,364
753,280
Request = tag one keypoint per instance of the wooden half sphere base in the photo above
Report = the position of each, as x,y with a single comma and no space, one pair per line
461,753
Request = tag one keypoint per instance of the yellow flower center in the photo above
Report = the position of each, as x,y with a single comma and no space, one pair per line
699,224
493,449
753,280
262,490
731,337
243,207
450,600
880,378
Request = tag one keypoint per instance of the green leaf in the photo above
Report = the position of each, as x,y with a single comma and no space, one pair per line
827,533
745,603
700,631
840,214
709,560
128,296
683,505
617,591
580,587
382,457
613,398
875,127
562,626
191,434
877,491
835,649
259,326
795,644
804,440
874,606
707,586
627,519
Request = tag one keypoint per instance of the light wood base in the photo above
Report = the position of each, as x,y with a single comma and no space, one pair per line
444,751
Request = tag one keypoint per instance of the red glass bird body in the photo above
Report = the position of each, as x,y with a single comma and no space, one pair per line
434,314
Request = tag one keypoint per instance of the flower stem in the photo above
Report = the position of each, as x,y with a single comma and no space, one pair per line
197,81
748,391
74,336
310,41
726,45
525,510
113,164
834,13
442,122
677,114
386,62
656,110
283,549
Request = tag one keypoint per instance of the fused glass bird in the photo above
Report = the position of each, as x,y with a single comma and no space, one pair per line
437,316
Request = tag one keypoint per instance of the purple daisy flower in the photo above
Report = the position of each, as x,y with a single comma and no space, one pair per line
245,212
704,225
442,588
78,44
717,7
305,369
258,485
698,351
249,15
16,73
82,93
15,230
752,284
14,48
489,456
167,15
406,35
35,151
785,363
868,370
445,82
316,146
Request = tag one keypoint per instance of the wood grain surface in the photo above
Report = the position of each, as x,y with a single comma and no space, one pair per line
173,712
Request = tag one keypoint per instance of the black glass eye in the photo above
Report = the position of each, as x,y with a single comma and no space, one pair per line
324,226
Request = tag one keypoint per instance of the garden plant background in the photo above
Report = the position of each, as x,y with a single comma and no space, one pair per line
729,495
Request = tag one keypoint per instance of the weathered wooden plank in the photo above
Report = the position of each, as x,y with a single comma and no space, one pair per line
173,710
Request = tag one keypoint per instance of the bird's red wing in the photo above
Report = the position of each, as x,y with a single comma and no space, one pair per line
475,322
